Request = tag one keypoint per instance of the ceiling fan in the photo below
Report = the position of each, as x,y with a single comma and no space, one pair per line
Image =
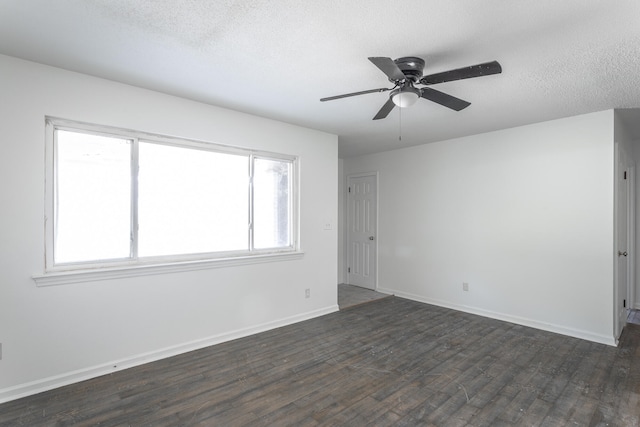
405,73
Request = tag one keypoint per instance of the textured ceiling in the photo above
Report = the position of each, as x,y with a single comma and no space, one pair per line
278,58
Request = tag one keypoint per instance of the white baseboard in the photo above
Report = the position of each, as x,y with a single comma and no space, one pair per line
45,384
549,327
636,306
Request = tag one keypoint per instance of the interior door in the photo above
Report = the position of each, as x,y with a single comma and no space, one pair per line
362,195
622,239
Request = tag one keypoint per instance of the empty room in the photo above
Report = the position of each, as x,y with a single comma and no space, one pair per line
252,213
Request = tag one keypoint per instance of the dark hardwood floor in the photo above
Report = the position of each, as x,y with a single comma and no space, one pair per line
388,362
634,317
351,296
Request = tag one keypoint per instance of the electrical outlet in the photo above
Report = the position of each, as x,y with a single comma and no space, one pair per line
307,293
465,286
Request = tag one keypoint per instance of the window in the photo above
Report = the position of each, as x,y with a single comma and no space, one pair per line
124,198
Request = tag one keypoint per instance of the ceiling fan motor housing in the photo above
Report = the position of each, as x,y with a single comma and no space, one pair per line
411,66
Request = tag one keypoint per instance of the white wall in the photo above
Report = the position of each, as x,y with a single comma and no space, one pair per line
524,215
59,334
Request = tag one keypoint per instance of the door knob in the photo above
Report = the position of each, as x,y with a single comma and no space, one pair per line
622,253
373,238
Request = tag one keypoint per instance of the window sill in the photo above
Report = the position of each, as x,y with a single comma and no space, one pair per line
78,276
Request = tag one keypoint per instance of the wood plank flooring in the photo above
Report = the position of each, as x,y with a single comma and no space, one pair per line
634,317
351,296
388,362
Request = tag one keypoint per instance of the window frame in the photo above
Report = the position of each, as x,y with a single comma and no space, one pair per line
164,262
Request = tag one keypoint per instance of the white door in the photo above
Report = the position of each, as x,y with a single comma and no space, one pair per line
362,195
622,244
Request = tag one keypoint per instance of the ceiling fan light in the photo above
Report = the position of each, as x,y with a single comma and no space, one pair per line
405,98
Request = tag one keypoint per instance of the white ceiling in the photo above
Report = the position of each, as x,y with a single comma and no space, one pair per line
277,58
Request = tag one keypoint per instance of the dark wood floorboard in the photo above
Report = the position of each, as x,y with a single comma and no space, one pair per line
634,317
351,296
387,362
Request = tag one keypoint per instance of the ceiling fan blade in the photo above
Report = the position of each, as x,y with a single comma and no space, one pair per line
385,110
444,99
346,95
479,70
387,66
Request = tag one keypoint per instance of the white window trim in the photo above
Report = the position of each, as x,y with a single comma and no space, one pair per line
54,278
74,273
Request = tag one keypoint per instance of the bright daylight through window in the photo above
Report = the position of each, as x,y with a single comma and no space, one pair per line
120,198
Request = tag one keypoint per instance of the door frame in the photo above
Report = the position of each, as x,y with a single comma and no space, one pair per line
631,231
373,174
622,164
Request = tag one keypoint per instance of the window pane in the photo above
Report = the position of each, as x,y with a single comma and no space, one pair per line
93,197
272,203
191,201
